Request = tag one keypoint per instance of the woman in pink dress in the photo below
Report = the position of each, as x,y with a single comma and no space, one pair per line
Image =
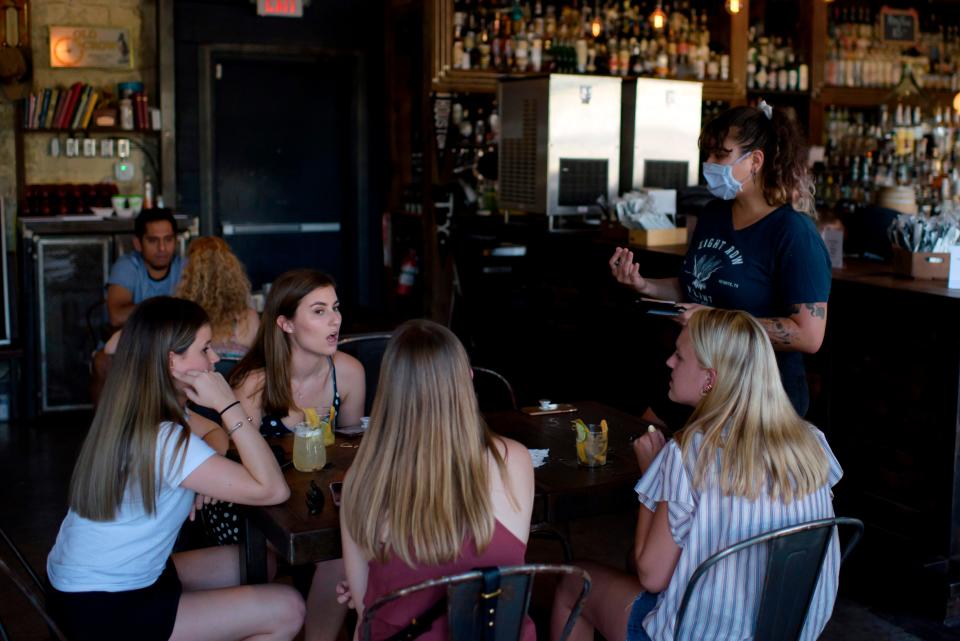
432,492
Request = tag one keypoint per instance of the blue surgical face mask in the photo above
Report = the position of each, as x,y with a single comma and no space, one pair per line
720,180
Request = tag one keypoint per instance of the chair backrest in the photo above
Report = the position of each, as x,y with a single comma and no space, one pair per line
31,588
494,391
98,327
795,557
468,606
368,349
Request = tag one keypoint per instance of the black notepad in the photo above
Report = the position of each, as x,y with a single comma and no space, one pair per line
659,307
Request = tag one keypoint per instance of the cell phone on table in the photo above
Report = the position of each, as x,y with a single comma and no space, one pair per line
336,489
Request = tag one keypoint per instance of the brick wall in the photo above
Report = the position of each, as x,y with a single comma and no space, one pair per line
139,17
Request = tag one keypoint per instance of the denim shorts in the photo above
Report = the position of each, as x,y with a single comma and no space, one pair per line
644,603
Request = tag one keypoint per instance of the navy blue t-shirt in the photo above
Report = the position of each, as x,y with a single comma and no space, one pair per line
765,269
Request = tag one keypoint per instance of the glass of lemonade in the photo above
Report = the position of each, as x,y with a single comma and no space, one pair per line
309,450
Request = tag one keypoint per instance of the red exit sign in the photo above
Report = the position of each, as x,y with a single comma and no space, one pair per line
281,8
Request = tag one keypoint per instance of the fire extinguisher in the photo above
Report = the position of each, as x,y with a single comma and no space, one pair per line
408,274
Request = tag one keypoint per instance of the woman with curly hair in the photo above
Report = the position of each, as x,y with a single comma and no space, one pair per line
755,248
215,279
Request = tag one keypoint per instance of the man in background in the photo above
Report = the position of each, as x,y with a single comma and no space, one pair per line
152,270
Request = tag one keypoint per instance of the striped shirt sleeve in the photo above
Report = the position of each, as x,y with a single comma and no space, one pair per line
836,472
667,481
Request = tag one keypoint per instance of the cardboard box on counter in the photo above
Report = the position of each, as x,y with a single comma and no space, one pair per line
921,265
657,237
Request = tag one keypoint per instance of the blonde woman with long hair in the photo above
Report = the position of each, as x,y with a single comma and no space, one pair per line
432,491
135,482
745,464
215,279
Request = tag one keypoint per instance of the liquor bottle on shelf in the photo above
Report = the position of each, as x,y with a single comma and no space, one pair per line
711,109
611,38
773,64
859,57
871,149
472,146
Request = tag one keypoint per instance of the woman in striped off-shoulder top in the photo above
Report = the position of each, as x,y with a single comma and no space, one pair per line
745,464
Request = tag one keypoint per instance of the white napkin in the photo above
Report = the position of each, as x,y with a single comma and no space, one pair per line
539,457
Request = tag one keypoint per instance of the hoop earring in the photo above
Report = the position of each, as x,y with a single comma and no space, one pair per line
706,390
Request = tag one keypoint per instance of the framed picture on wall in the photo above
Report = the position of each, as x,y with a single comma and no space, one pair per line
91,47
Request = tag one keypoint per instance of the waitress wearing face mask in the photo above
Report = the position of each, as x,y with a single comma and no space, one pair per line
755,248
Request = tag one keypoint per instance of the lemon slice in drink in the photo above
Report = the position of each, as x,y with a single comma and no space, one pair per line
581,428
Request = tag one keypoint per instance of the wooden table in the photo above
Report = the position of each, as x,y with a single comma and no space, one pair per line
564,490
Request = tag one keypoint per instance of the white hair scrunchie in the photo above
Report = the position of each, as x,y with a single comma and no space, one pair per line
766,109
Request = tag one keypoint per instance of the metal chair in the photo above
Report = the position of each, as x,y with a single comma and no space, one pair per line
368,349
494,391
796,555
32,590
469,604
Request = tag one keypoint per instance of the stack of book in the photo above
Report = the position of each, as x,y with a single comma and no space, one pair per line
73,108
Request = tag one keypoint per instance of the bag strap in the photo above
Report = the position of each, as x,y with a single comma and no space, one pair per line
489,599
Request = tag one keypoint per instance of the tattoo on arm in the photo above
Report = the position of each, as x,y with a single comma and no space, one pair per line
782,331
817,310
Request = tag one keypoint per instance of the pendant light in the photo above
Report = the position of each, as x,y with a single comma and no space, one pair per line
733,6
659,18
596,27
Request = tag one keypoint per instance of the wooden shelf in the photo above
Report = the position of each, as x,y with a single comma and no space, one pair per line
871,96
773,92
723,90
113,131
458,81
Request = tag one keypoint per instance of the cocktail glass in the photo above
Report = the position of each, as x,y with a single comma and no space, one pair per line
592,447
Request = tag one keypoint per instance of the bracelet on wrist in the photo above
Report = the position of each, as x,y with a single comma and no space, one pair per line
238,425
228,407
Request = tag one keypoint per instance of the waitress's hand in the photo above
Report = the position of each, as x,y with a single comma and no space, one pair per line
625,270
208,389
688,311
646,448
